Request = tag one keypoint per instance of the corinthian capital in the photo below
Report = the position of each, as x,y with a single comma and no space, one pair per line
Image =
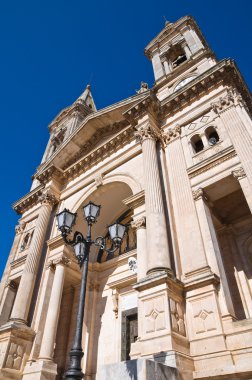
239,173
199,194
147,131
139,223
232,98
171,134
20,228
48,198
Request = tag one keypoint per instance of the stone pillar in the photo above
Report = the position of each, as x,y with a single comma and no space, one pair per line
26,286
240,175
50,330
187,225
142,260
157,239
212,249
226,108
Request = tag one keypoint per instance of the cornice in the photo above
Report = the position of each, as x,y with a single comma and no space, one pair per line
50,173
150,105
211,162
28,200
224,72
135,200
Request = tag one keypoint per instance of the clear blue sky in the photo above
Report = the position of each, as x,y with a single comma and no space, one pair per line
51,49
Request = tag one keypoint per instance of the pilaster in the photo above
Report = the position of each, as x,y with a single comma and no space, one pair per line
142,259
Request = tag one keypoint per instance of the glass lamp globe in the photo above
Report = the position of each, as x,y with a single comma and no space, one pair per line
91,212
117,231
66,220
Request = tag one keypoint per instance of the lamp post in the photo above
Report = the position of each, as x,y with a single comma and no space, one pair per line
81,246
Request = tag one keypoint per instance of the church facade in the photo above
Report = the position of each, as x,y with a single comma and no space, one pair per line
174,164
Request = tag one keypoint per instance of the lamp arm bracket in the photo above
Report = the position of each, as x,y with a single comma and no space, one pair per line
78,237
100,241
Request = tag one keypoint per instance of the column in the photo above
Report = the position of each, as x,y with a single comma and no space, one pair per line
240,137
50,330
212,249
191,247
142,260
240,175
157,239
26,286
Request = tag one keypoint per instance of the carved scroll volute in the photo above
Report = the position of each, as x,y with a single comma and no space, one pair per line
171,134
232,98
147,131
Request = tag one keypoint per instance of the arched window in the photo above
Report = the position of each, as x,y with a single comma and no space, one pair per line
197,143
212,135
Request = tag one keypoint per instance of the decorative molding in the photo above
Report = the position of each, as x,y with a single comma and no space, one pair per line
199,194
171,134
135,200
132,264
239,173
28,201
214,161
231,99
115,300
177,317
154,315
147,131
150,105
62,260
139,223
48,174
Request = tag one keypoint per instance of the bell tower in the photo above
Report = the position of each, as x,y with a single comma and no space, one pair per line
179,52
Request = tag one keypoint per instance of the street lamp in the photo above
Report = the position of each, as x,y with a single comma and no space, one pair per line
81,246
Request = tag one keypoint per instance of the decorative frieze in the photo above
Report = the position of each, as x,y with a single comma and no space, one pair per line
139,223
239,173
171,134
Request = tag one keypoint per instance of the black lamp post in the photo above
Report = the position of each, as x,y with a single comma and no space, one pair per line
81,246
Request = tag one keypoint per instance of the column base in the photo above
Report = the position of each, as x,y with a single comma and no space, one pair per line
40,370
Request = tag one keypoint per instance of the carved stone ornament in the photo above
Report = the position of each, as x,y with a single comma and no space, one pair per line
239,173
15,356
20,228
115,298
232,98
177,317
98,180
199,194
147,132
139,223
48,198
171,134
132,263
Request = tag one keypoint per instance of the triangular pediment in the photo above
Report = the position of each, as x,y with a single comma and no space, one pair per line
97,129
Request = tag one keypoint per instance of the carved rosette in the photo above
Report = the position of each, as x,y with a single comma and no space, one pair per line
199,194
239,173
232,98
147,131
171,134
139,223
48,198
